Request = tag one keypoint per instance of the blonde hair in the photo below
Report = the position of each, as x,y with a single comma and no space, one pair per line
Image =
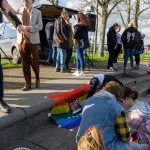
114,88
92,139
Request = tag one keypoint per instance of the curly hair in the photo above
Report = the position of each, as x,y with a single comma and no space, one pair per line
92,140
115,89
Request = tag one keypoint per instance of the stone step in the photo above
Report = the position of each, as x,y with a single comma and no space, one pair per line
49,137
143,87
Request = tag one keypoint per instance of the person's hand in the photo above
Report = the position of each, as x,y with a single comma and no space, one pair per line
27,28
21,28
8,8
115,46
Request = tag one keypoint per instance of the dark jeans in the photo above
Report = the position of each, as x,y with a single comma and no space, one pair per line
117,51
68,56
137,59
80,59
1,82
111,51
54,56
50,50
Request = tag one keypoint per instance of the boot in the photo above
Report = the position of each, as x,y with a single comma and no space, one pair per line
26,87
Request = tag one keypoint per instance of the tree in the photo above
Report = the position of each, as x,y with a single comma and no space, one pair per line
107,6
132,10
54,2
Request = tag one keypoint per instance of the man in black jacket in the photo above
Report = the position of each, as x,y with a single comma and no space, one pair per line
112,45
61,41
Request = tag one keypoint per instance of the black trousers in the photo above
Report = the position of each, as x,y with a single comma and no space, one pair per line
137,59
68,57
117,51
111,51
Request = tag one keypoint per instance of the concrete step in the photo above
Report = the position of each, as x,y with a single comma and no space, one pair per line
48,137
143,87
128,81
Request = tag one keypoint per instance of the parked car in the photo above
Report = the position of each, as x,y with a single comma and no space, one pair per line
8,35
8,42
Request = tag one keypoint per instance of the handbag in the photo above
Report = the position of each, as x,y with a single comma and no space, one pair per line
140,51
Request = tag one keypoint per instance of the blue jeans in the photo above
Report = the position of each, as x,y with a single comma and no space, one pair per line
54,55
128,53
1,82
50,50
80,59
61,58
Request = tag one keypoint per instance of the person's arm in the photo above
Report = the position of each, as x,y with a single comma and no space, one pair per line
10,14
39,25
76,32
134,121
122,128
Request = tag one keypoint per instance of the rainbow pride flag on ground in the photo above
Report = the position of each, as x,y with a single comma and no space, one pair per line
67,109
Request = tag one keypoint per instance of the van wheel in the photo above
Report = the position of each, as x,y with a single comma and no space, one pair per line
16,56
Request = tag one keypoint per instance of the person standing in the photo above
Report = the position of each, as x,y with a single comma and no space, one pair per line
61,41
70,41
119,46
137,52
29,46
49,30
81,42
112,45
10,13
128,40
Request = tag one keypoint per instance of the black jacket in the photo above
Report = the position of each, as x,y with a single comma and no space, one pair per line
128,38
111,37
81,37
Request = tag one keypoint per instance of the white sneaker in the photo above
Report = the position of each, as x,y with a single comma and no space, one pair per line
76,73
111,69
148,65
81,74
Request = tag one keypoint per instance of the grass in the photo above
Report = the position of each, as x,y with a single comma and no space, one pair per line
96,58
9,65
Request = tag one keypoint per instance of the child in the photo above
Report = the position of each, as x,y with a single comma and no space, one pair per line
91,140
138,117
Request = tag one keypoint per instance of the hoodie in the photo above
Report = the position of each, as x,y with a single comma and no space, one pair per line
111,37
128,38
139,123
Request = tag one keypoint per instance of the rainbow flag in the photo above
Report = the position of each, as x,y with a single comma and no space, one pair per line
67,108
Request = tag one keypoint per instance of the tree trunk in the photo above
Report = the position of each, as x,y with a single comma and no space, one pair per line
136,16
102,32
96,28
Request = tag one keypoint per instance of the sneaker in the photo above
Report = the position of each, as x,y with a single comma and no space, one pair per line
131,68
57,70
65,71
81,74
75,73
148,71
148,65
111,69
4,107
